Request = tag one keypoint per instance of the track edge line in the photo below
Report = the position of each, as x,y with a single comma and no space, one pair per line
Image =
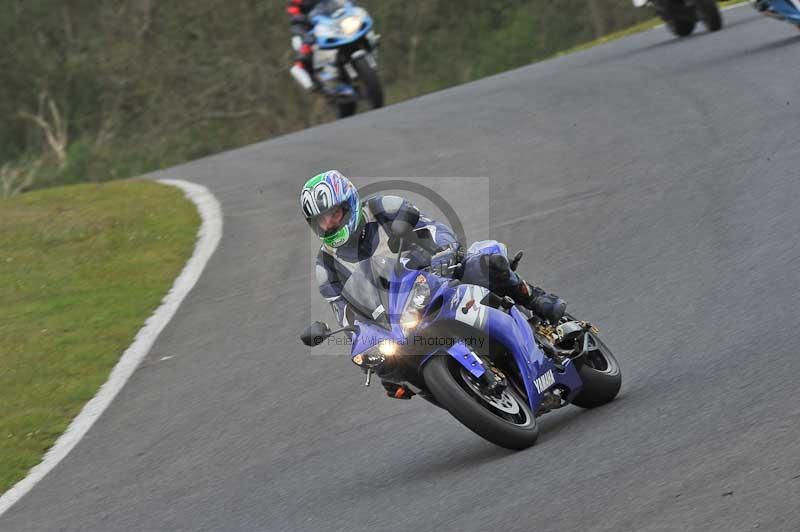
208,237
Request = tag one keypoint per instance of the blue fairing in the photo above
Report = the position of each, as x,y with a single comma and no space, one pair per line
513,331
786,9
330,42
369,336
462,354
453,302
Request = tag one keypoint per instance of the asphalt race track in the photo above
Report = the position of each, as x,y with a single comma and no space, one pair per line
654,184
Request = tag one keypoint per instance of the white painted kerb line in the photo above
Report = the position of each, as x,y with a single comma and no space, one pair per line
208,238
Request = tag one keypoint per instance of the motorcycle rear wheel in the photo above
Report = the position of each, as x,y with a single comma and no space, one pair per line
681,26
708,12
506,421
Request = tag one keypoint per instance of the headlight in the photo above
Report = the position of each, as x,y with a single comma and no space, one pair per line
409,320
350,25
377,354
388,347
419,297
420,293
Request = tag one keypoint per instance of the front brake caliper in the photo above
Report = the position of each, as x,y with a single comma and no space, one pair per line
493,381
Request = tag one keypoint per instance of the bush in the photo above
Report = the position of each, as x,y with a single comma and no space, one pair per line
140,84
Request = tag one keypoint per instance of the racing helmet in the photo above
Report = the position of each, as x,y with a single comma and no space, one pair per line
331,206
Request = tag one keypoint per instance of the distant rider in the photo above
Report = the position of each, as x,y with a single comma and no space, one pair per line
302,37
352,231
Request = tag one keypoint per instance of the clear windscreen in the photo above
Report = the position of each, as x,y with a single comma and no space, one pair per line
367,289
328,7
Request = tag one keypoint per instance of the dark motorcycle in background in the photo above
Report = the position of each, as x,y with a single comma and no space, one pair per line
681,16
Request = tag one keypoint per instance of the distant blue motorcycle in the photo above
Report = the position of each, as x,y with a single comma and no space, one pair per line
345,56
786,10
488,362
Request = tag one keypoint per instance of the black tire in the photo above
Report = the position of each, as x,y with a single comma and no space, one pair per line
681,26
345,109
448,383
601,376
708,13
369,79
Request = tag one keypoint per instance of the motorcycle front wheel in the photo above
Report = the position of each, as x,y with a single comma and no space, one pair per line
369,79
504,420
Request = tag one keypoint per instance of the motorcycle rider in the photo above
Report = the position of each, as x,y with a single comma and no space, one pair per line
352,231
302,38
303,41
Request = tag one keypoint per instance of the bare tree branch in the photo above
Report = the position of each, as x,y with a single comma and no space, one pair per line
65,14
598,18
54,128
145,9
15,179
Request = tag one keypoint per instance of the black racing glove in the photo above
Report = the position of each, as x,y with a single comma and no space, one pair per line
447,262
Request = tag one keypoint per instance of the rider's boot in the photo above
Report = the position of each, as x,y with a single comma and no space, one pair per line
304,75
547,306
303,69
542,304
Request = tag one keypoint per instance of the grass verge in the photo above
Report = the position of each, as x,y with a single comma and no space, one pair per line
81,268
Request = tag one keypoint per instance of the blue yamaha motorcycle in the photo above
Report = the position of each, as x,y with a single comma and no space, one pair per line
786,10
345,56
489,363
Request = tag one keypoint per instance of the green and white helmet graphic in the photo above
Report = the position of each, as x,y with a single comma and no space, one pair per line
331,206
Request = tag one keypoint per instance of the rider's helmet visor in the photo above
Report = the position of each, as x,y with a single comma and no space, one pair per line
330,221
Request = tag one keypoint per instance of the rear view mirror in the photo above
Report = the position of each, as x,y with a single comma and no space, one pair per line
315,333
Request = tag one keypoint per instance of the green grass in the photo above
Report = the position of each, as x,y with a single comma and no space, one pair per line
81,268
